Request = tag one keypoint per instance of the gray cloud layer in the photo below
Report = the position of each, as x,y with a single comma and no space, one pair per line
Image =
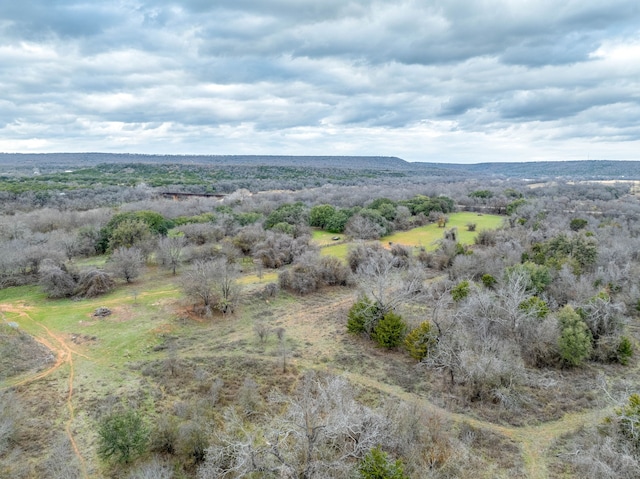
498,80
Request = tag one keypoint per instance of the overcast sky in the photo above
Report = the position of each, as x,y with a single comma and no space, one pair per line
448,80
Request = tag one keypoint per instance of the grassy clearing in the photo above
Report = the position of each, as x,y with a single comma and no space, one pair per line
324,238
427,236
251,279
424,236
338,250
482,221
94,261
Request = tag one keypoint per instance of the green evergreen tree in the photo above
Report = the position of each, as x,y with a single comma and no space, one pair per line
420,341
390,331
575,342
319,215
122,436
536,306
624,351
377,465
363,316
629,421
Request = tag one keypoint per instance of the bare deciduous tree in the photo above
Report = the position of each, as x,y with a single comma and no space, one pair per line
94,282
153,469
380,279
213,285
63,463
56,282
170,249
363,228
126,263
322,428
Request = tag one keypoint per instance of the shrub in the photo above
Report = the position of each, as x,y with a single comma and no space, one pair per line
629,421
56,282
377,465
576,224
603,316
153,469
612,349
402,255
536,306
122,436
389,331
270,290
262,331
488,280
360,253
300,278
248,397
625,351
94,282
363,316
312,271
333,272
192,442
420,341
485,238
164,436
10,417
460,291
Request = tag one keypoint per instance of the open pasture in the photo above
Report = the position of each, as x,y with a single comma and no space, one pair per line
427,236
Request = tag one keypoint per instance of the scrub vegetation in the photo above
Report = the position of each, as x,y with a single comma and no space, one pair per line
344,320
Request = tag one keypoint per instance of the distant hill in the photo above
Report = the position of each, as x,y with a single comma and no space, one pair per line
544,170
586,169
77,160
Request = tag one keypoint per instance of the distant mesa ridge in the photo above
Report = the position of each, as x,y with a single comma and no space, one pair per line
584,169
88,159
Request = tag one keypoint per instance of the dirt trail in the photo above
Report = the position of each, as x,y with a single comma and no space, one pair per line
534,441
303,323
64,356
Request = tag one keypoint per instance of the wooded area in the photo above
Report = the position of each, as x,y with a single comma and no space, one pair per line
345,317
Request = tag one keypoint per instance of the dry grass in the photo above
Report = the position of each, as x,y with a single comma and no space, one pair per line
152,354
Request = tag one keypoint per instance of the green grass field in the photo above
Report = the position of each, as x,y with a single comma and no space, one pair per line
424,236
324,238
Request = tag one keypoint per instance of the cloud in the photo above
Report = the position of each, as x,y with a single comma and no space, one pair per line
450,81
